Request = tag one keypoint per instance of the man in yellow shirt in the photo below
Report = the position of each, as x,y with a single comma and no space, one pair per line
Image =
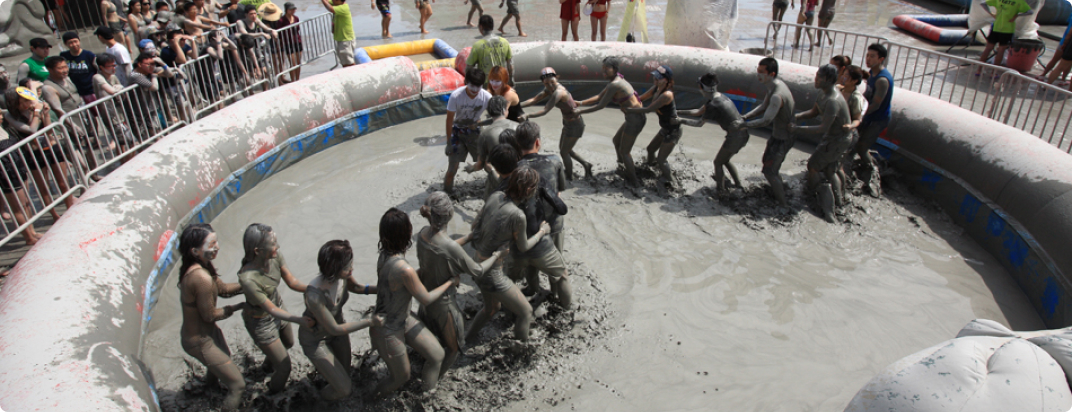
491,50
343,28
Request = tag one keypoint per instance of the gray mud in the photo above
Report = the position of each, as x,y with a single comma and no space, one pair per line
687,300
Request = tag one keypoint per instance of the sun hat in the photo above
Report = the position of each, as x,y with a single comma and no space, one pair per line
269,12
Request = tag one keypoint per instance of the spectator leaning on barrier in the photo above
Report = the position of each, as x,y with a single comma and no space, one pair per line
1004,26
12,184
26,116
105,84
491,50
145,76
117,50
81,64
62,96
290,42
343,28
34,66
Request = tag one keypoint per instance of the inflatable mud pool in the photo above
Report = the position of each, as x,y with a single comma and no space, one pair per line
683,299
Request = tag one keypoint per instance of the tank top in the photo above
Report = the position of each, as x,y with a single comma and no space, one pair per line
393,304
883,111
514,112
37,69
666,113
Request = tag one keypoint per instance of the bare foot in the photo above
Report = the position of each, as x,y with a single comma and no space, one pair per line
423,31
6,216
501,30
470,24
387,36
522,34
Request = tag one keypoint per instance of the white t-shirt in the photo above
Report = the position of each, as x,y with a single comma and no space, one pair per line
123,61
467,110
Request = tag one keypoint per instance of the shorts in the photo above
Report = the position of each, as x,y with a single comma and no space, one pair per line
291,48
210,350
14,173
384,7
46,157
573,129
774,154
1066,54
550,263
321,348
463,143
443,315
634,124
494,281
511,7
476,5
809,15
781,4
828,154
263,330
735,141
870,130
671,136
826,16
344,50
116,26
1002,39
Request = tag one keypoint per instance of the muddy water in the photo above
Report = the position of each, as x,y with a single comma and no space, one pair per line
687,301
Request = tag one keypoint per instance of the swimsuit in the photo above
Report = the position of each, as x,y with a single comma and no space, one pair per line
600,14
671,132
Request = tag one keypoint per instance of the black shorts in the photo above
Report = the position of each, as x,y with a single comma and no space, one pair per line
14,173
1002,39
1067,53
45,157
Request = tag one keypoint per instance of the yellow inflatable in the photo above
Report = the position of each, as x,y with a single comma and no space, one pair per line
437,47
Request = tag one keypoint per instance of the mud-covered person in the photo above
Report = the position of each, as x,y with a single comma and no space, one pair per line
199,286
263,268
464,108
327,343
621,93
443,259
721,110
544,206
879,95
489,138
572,123
397,284
836,139
663,104
777,112
502,224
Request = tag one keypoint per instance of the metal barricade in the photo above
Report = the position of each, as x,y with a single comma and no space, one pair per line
226,72
37,174
1035,107
967,83
114,128
834,43
300,44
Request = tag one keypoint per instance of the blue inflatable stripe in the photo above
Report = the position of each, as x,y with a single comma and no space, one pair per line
362,56
443,50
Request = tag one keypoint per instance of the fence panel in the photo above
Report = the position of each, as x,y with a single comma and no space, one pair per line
226,72
834,43
300,44
1035,107
968,83
38,173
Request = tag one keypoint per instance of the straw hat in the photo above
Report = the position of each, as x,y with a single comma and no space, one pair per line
269,12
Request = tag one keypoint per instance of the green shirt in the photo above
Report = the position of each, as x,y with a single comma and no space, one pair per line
37,69
490,52
344,24
1006,10
259,287
254,3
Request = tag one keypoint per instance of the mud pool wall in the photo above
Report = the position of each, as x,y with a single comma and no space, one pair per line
73,313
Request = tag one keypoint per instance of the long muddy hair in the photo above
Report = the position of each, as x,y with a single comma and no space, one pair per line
193,237
256,235
522,184
396,232
438,209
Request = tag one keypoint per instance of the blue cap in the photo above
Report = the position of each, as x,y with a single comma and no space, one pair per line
146,44
663,71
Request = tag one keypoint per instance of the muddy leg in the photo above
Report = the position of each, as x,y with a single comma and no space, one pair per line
425,343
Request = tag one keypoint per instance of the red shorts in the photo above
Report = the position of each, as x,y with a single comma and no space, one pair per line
599,14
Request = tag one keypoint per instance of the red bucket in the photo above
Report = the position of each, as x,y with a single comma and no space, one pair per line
1023,53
